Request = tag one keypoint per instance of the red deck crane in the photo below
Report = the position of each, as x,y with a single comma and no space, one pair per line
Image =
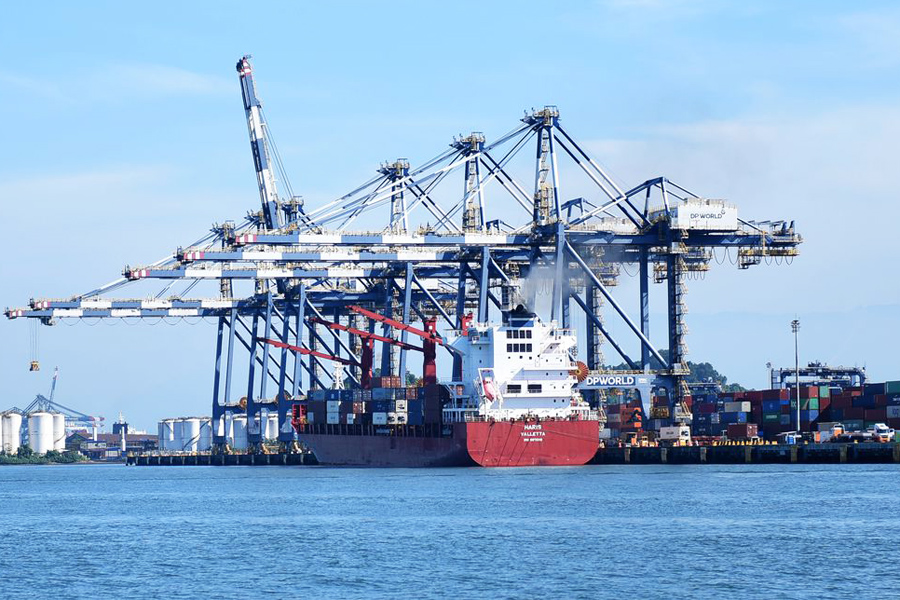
430,340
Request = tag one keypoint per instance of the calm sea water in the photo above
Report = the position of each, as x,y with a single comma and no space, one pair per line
310,532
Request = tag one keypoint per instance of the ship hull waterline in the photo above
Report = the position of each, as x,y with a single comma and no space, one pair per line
482,443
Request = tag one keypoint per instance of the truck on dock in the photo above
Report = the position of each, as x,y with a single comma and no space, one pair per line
879,432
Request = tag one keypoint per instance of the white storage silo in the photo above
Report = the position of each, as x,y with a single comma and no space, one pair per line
190,434
40,432
2,447
205,441
160,439
239,432
59,431
272,426
12,432
168,435
177,442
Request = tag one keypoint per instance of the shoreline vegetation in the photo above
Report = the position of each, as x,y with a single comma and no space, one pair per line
27,456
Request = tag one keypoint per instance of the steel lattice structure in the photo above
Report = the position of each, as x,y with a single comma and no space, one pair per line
467,255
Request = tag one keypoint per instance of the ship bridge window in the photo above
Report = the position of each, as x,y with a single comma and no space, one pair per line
513,388
534,388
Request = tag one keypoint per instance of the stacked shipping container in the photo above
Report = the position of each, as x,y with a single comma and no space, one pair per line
775,411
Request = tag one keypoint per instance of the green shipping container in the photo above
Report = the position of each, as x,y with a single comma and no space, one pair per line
824,391
892,387
810,404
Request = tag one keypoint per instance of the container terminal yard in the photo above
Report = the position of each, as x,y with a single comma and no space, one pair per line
343,294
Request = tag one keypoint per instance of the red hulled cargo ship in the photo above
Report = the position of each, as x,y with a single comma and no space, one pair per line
512,402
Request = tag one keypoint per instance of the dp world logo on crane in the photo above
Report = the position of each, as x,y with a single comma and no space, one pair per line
609,380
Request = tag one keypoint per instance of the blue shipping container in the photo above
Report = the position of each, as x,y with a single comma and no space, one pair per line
771,406
733,417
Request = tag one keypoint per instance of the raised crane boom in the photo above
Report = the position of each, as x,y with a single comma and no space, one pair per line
256,126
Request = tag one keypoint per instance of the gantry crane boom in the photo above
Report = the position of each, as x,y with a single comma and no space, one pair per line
265,177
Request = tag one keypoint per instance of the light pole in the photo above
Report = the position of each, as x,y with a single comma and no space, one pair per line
795,327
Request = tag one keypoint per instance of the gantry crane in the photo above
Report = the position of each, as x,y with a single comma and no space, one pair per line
416,257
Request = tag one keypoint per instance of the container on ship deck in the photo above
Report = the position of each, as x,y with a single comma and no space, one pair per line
316,395
742,406
870,389
381,393
892,387
349,419
855,413
412,393
809,404
864,402
346,395
415,419
785,420
316,406
366,395
875,414
739,431
359,407
807,392
892,412
333,405
379,418
824,391
400,405
771,406
854,424
332,418
809,415
728,418
379,405
841,401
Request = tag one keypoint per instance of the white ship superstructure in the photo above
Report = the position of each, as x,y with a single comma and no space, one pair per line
521,368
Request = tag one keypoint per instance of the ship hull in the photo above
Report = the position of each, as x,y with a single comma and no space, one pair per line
532,444
388,451
487,444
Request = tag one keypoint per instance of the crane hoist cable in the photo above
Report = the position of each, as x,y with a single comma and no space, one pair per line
34,346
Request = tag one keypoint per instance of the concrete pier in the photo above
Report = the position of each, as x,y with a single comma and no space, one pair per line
750,454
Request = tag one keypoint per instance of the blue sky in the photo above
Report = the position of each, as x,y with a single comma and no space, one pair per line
125,137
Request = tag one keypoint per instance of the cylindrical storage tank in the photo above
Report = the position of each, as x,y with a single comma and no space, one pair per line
160,438
272,426
168,435
12,432
190,434
239,432
40,432
177,443
2,418
59,431
205,441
